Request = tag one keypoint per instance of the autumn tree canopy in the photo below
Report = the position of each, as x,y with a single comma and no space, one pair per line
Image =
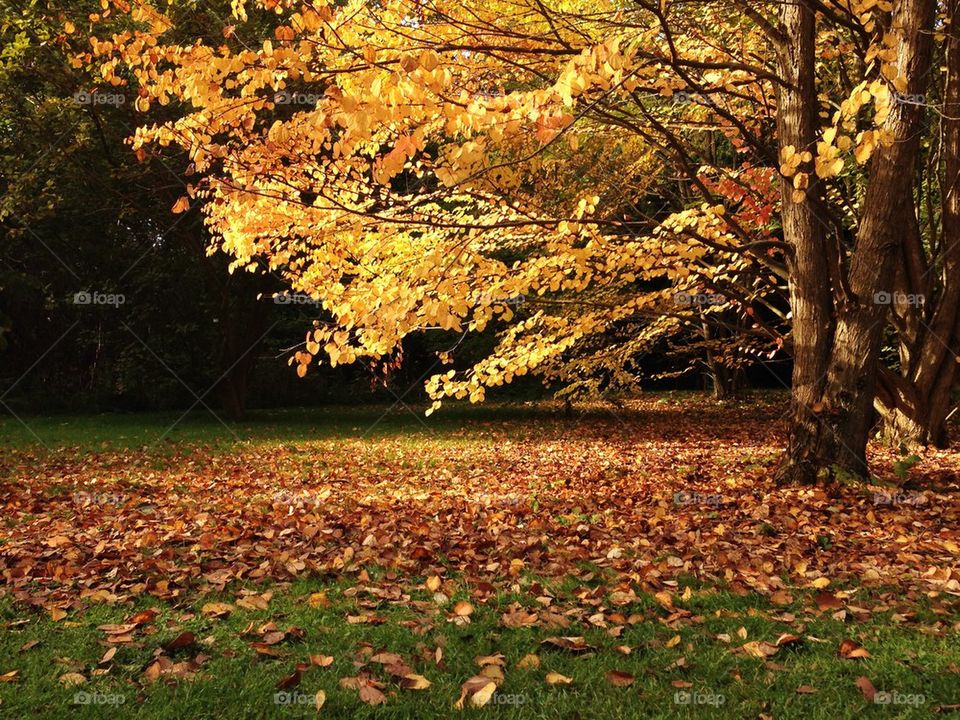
591,179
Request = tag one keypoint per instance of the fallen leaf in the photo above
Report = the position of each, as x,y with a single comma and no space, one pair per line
474,685
760,649
463,609
412,681
72,678
570,644
217,609
828,601
484,660
371,695
555,678
483,695
851,650
316,600
291,680
183,640
264,649
867,688
619,678
529,661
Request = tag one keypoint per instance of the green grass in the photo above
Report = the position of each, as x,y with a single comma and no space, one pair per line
919,655
172,429
235,682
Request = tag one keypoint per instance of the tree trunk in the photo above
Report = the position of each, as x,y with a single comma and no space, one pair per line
914,404
810,293
832,421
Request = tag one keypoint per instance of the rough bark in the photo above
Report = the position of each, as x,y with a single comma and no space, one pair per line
810,294
914,404
851,380
837,344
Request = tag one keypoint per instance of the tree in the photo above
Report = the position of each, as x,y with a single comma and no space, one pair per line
417,165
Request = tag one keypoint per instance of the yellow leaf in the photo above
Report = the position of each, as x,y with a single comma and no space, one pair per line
483,695
555,678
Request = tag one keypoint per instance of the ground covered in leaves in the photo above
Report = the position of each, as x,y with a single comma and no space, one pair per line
625,561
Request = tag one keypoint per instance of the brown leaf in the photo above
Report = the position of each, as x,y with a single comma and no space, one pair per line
264,649
867,688
319,599
72,678
321,660
9,676
519,618
828,601
619,678
290,681
570,644
528,661
386,658
483,660
782,598
474,685
806,690
760,649
555,678
319,699
851,650
183,640
273,638
371,695
217,609
412,681
788,639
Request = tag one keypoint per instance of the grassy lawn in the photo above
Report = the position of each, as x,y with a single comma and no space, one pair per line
236,573
673,663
